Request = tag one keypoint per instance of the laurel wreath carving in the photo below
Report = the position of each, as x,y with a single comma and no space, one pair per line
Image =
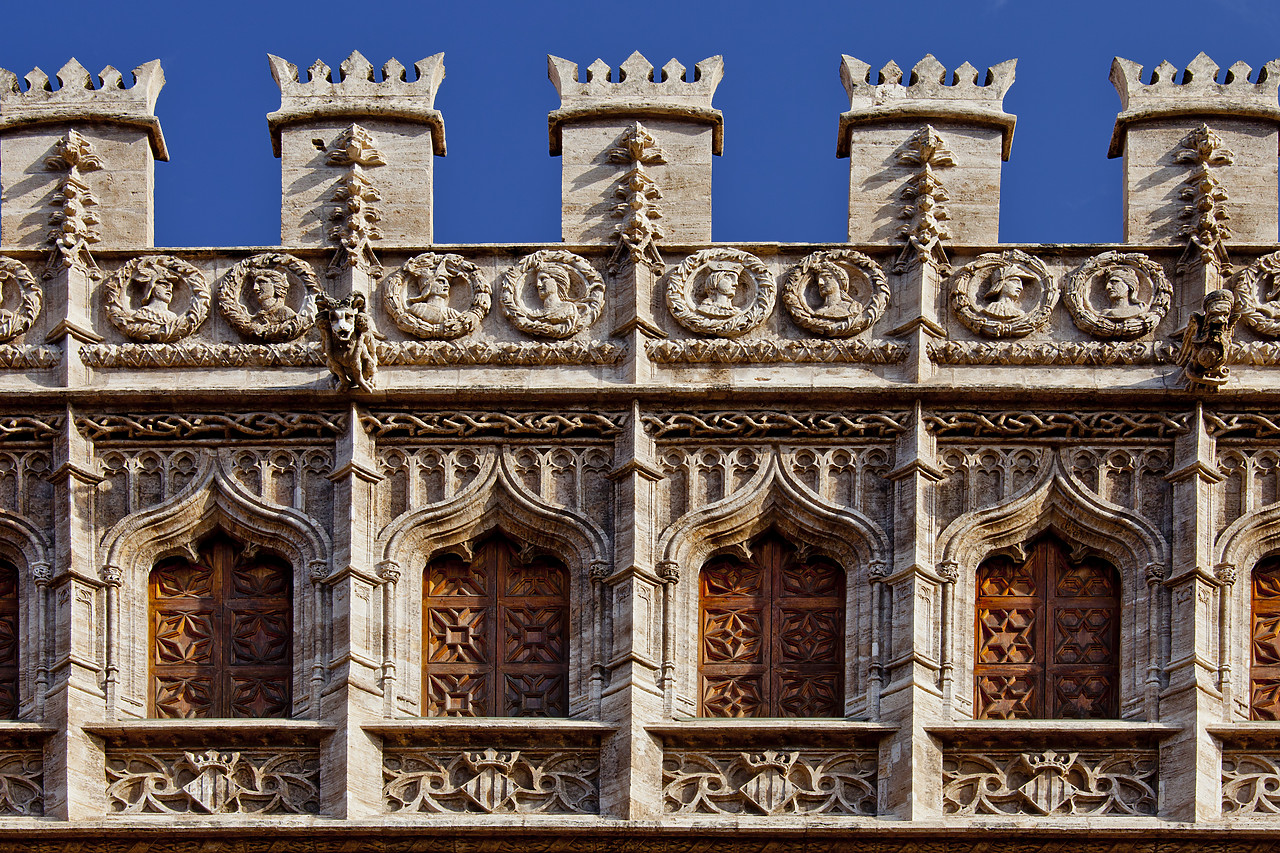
115,297
847,261
424,267
1095,322
1260,314
964,295
30,299
583,280
681,303
231,298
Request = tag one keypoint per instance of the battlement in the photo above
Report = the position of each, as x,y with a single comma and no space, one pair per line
358,93
635,89
77,99
1195,92
929,93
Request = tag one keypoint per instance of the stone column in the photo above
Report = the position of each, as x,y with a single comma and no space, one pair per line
911,698
77,172
924,168
80,673
356,160
634,651
351,783
1192,791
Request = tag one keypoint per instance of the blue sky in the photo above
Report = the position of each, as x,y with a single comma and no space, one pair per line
781,96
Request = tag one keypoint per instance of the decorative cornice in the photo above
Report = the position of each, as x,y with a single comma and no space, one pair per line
783,351
1036,424
1073,353
775,424
209,425
454,424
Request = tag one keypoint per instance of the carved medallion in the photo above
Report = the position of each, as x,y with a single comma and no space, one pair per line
837,293
268,279
1004,295
720,292
17,282
150,283
568,294
1118,295
416,297
1257,290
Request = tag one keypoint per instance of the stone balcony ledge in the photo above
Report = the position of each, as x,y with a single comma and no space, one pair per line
1018,733
214,733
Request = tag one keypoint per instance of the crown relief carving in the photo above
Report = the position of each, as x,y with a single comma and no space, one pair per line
638,232
355,214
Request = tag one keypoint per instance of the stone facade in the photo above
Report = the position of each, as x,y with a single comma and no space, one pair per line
639,541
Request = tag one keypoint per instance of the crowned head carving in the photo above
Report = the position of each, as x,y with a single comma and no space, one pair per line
721,292
419,297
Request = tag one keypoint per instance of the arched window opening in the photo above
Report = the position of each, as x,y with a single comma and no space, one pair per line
771,634
8,641
1264,673
494,633
1048,636
221,633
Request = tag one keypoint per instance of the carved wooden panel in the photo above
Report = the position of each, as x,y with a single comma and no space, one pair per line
772,634
494,634
221,632
8,641
1048,632
1265,671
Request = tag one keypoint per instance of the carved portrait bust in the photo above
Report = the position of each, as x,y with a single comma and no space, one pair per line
417,297
1006,294
1118,295
836,293
254,297
567,294
139,299
720,292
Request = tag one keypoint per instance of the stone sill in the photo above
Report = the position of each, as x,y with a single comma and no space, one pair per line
785,731
1250,734
506,731
1016,734
213,733
20,733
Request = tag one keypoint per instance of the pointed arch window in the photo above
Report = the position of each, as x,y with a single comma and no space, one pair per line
1048,632
221,633
771,632
1264,672
494,633
8,641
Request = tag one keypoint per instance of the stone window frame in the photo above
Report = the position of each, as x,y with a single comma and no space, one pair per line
1240,548
29,549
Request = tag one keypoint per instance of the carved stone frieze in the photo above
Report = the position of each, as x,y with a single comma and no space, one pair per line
155,280
1207,342
464,424
720,292
775,351
201,354
1066,353
21,357
1257,290
758,424
270,278
1206,213
1121,295
638,232
507,353
1250,783
1006,294
1241,425
22,783
246,781
569,290
30,427
769,782
210,425
354,215
1048,782
852,293
1030,424
19,289
491,781
417,297
75,221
